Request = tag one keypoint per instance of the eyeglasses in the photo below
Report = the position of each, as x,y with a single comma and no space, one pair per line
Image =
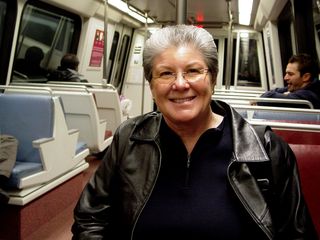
191,75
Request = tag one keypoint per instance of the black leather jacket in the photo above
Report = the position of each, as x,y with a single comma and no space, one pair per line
115,196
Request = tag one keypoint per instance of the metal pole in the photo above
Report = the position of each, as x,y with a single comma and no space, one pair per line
229,49
181,11
105,53
144,79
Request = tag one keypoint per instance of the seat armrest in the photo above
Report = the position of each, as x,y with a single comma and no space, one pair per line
42,141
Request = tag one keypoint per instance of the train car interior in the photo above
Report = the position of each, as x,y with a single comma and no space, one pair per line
64,127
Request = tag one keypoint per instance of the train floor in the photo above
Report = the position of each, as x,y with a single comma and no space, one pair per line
59,227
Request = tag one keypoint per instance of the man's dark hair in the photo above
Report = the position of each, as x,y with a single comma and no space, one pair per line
34,55
70,61
305,64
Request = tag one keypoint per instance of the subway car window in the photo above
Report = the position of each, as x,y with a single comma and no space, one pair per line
248,64
3,11
316,20
45,35
233,61
8,12
118,80
114,46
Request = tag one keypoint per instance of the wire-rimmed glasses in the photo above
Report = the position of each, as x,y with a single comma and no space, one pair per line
190,76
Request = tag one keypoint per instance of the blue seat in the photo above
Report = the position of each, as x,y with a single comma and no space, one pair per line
28,118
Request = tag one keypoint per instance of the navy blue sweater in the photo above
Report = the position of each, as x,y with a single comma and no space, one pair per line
193,200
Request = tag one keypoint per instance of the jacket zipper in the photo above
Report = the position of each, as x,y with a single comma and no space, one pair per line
186,181
244,203
148,197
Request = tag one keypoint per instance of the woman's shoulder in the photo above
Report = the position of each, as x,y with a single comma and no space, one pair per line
147,120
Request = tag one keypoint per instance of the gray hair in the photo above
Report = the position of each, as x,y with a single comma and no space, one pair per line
180,35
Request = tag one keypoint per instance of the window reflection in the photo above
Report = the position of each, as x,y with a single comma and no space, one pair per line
119,76
3,10
248,64
44,37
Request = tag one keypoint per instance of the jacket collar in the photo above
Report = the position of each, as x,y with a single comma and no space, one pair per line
245,139
147,127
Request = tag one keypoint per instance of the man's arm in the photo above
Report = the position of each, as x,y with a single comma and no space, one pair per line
276,93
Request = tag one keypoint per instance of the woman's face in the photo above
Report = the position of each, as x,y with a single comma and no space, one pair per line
181,101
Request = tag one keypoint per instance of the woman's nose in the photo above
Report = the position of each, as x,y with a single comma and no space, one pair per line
180,85
180,80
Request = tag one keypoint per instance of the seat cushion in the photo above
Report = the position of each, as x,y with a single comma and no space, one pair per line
80,147
20,170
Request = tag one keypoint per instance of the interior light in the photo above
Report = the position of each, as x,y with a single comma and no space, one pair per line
244,34
245,8
122,6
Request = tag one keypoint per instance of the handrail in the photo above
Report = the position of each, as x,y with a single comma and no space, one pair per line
286,125
261,99
56,86
103,85
27,88
236,94
238,91
273,108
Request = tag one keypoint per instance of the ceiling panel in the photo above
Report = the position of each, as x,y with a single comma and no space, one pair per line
208,12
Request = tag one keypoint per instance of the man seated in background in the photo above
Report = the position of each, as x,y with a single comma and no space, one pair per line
302,82
30,65
68,70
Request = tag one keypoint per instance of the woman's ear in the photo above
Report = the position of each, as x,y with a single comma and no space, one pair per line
150,85
213,81
152,90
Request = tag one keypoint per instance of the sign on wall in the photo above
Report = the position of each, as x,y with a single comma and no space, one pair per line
97,49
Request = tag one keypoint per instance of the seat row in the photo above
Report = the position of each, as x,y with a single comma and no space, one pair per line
67,119
249,99
94,110
48,153
284,114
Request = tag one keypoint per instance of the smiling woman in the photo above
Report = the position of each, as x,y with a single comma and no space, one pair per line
189,167
185,100
193,169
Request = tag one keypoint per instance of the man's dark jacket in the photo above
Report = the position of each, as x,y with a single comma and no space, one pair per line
311,93
67,75
115,196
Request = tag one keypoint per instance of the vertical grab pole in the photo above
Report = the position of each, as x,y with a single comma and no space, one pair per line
181,12
144,79
105,53
229,48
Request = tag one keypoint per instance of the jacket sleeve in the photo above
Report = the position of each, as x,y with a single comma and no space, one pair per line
92,214
275,93
288,208
299,94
